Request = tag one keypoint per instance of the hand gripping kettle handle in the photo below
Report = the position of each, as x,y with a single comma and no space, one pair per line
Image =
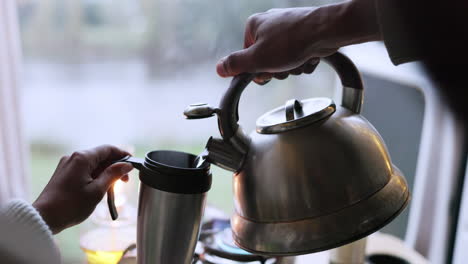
137,163
350,79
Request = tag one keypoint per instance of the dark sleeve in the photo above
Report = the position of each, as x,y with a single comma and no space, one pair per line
396,33
436,33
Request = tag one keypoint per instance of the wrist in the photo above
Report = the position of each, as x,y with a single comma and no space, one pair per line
351,22
41,208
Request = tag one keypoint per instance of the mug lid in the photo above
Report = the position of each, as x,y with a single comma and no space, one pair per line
175,172
295,114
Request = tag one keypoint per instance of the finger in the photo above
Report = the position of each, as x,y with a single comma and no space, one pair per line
111,174
236,63
62,162
281,75
103,154
273,10
263,78
297,71
125,178
310,66
262,82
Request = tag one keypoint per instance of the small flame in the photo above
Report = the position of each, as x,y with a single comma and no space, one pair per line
119,191
118,187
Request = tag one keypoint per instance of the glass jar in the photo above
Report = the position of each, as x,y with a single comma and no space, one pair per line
103,240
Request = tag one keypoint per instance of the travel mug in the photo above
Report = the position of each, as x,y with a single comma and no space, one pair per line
170,206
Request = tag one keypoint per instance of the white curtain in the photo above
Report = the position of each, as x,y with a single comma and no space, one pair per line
13,170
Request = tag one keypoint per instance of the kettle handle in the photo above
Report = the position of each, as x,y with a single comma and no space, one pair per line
137,164
347,72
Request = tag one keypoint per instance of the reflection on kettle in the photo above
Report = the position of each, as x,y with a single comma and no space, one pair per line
313,176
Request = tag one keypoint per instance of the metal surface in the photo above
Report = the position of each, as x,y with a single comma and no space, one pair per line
327,231
228,155
311,171
216,246
223,154
228,109
197,111
168,226
295,114
352,99
293,109
354,253
298,184
170,208
320,185
228,115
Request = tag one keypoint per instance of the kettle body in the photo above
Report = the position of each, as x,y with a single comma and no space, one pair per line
313,176
324,159
309,190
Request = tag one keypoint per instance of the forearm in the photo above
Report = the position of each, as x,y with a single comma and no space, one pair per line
351,22
51,216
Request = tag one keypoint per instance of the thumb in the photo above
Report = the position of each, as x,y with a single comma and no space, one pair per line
236,63
112,173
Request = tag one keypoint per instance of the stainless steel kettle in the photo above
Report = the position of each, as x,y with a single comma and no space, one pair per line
313,176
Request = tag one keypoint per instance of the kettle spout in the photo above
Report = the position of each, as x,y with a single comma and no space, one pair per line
224,154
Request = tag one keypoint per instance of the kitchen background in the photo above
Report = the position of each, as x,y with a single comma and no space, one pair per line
122,72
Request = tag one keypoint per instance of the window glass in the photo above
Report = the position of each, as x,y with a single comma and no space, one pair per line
122,72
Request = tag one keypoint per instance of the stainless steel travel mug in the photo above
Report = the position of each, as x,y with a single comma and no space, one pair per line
168,225
170,207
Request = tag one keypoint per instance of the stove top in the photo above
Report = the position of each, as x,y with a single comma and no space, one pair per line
216,246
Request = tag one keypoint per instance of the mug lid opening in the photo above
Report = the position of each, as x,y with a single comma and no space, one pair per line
176,160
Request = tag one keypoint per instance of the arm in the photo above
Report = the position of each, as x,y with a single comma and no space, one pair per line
280,42
289,41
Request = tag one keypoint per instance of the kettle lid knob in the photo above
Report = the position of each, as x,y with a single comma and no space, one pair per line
295,114
293,109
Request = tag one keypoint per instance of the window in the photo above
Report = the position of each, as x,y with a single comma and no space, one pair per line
122,72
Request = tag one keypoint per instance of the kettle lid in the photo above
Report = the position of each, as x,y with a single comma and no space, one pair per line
295,114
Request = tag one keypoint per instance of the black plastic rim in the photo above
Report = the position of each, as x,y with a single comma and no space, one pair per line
175,176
